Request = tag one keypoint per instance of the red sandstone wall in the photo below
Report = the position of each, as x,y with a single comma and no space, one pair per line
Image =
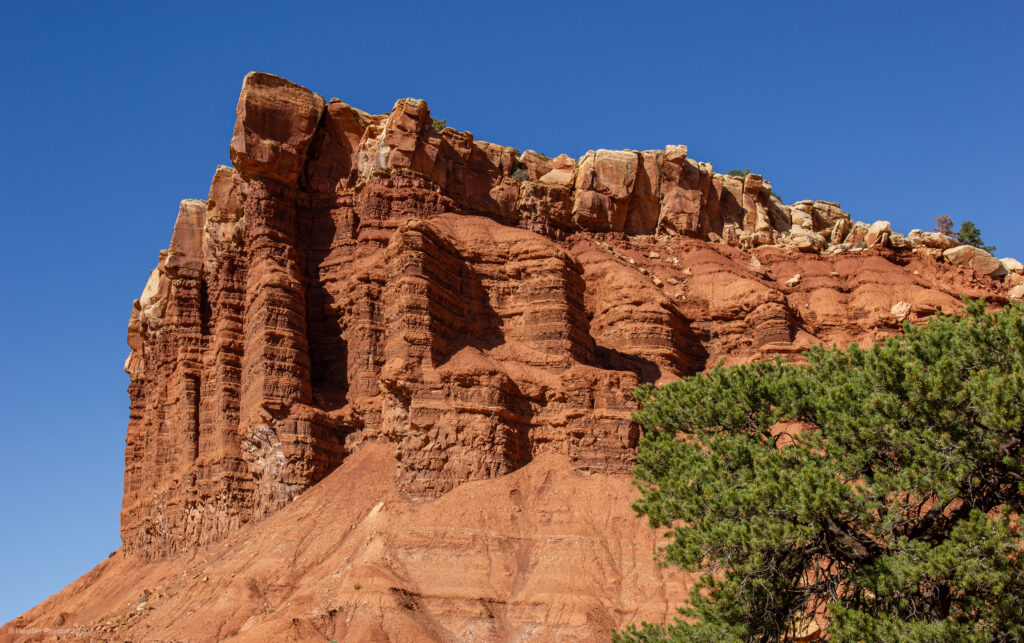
365,278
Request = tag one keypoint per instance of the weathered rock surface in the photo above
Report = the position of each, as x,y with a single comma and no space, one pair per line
453,329
878,234
976,259
1012,265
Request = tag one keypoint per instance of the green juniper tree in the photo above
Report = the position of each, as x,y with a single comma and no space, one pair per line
871,495
970,235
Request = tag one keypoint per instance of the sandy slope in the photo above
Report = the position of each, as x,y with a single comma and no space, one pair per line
520,557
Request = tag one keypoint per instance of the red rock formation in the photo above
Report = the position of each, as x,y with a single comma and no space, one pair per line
367,289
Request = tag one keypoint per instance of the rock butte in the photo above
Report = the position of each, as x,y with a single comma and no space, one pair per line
380,380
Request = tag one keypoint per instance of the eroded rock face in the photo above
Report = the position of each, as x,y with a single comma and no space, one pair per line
358,278
380,379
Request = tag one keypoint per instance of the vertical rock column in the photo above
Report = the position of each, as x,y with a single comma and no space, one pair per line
166,370
326,221
275,363
683,193
276,122
223,483
183,266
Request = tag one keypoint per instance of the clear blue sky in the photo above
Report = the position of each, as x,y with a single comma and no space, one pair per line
111,114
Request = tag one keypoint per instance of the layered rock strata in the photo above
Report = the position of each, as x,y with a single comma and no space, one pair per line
360,278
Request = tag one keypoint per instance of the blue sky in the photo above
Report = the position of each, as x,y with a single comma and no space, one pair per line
112,113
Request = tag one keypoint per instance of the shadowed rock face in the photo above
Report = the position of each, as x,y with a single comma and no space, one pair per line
419,310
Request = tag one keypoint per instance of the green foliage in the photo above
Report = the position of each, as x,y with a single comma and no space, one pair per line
522,174
439,124
970,235
890,514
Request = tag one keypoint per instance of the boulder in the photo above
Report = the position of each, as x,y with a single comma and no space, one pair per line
1012,265
878,234
840,229
939,240
562,172
275,125
802,214
858,232
900,310
978,260
827,213
919,238
898,241
806,240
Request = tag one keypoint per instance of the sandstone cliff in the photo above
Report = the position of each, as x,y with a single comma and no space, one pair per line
416,310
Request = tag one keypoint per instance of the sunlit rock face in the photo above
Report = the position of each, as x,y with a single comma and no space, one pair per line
360,278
